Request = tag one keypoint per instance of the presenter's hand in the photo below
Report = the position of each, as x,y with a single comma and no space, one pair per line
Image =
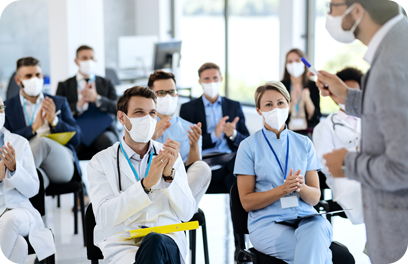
89,93
337,89
194,134
8,156
292,182
161,127
171,148
48,107
38,121
230,127
156,170
334,161
220,126
2,170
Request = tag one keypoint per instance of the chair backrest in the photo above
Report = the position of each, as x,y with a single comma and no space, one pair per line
239,215
93,252
13,88
38,201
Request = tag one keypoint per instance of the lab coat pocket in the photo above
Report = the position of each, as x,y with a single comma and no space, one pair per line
393,200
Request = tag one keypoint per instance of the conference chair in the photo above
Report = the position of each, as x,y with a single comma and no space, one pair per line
12,88
341,254
75,186
38,202
200,217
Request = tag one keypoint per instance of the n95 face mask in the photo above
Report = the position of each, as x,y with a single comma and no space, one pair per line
211,89
87,67
295,69
33,86
335,28
276,117
167,105
142,128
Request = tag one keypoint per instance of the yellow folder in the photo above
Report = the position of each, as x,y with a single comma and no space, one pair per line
142,232
62,138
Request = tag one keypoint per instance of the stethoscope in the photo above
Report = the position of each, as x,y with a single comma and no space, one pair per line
117,164
343,125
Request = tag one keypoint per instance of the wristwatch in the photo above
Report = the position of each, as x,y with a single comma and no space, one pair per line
171,177
234,135
98,101
144,188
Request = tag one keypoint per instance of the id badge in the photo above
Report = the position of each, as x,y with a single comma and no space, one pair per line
289,201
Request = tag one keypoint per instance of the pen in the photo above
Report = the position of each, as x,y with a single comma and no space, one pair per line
311,69
142,226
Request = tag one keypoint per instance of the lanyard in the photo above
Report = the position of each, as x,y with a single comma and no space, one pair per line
276,157
91,80
30,122
131,166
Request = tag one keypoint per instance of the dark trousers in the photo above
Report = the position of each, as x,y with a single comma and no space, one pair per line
158,249
103,141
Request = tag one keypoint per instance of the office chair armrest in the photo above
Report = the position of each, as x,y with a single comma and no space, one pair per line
325,205
247,256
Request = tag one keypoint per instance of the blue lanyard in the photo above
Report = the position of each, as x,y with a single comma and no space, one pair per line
30,122
91,80
276,157
131,166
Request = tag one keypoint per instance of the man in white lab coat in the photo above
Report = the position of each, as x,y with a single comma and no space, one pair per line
130,188
337,131
18,183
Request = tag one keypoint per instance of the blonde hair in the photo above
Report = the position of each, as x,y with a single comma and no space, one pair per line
271,85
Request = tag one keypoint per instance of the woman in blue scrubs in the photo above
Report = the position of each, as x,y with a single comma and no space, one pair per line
278,185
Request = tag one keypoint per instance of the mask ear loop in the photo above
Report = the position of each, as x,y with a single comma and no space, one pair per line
124,125
348,11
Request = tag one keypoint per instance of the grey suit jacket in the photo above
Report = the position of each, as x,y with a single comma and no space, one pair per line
382,165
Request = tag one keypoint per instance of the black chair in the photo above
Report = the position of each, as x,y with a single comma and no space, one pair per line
12,88
341,254
76,187
94,254
200,217
38,202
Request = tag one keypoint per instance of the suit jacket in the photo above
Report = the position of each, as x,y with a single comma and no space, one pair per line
104,88
381,166
315,96
194,112
15,121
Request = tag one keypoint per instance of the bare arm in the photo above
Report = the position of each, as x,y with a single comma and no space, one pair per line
310,192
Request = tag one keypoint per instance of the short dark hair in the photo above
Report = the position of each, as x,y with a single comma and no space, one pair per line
27,61
83,47
159,75
380,10
207,66
123,101
350,74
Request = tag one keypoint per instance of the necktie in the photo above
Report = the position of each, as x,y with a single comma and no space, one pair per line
87,80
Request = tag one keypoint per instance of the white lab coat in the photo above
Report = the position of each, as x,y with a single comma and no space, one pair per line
346,192
127,210
16,190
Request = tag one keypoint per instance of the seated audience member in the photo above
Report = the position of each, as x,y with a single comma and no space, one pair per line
187,134
337,131
130,188
32,114
88,92
223,123
18,183
278,183
304,109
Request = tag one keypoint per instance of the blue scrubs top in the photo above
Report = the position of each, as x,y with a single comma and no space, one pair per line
178,132
255,157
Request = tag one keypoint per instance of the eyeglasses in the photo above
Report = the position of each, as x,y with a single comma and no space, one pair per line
163,93
329,6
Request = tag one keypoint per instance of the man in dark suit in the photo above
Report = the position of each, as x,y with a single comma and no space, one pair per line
223,126
88,92
32,114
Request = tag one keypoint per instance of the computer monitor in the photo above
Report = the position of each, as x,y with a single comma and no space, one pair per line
163,54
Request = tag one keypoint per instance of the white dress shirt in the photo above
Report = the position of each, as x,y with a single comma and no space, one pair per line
30,115
81,83
379,36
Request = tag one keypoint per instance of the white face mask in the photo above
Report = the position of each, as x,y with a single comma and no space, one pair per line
295,69
343,107
2,119
211,89
167,105
276,117
142,128
87,67
33,86
334,27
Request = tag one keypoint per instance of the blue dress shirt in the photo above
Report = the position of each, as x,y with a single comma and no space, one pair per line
178,132
213,115
254,157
